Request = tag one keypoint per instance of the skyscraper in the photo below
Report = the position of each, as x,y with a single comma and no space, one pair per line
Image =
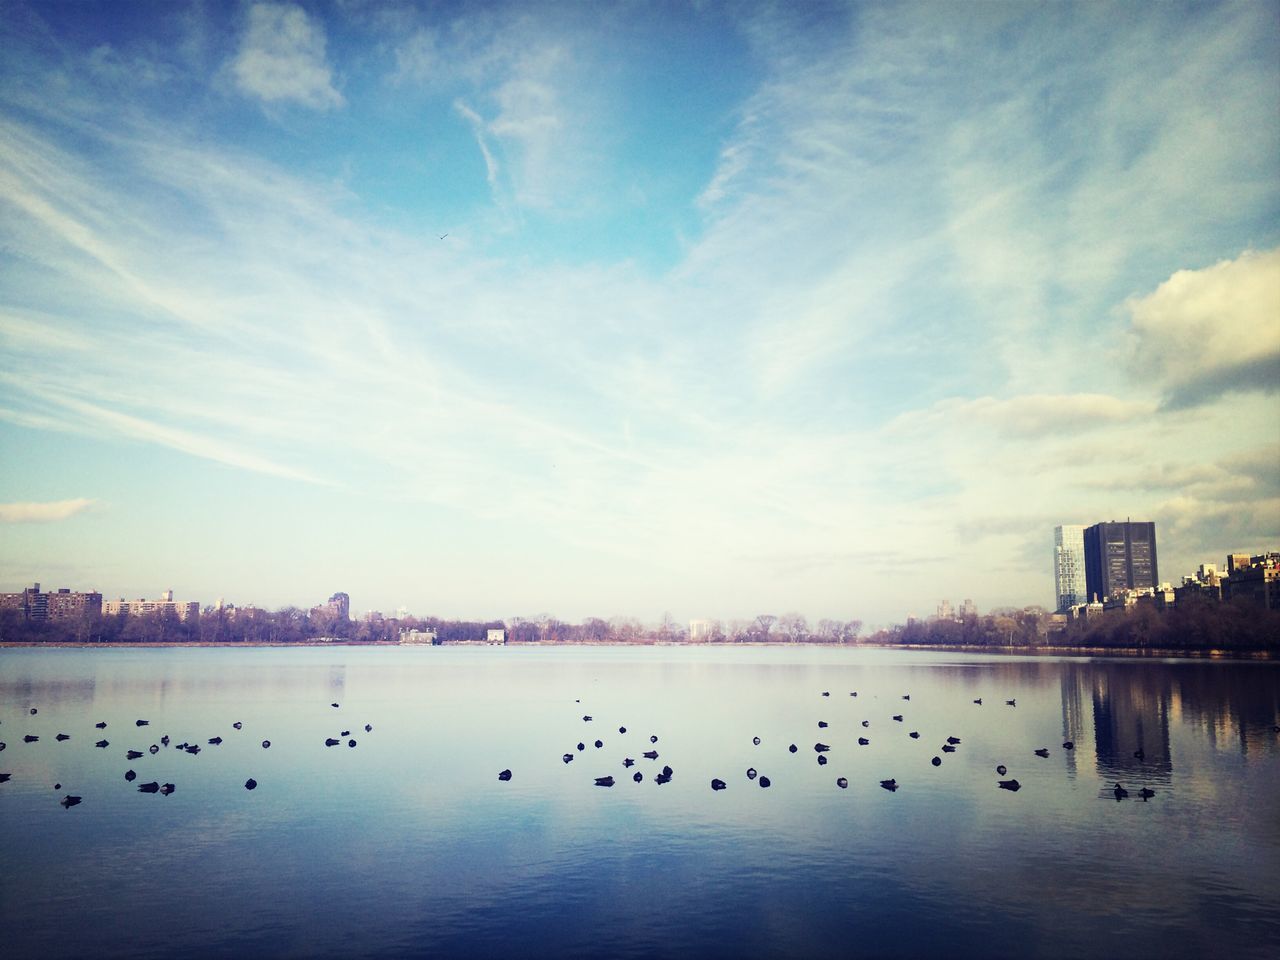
1068,566
1118,557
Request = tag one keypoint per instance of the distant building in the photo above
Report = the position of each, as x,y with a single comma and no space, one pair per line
419,636
337,606
700,630
968,608
1119,557
61,604
1257,582
1068,567
945,612
182,609
496,636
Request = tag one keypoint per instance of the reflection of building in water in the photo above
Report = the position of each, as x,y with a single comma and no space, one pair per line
1131,714
1072,711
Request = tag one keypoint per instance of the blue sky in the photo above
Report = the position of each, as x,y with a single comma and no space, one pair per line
739,308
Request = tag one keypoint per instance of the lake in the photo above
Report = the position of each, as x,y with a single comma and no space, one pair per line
408,844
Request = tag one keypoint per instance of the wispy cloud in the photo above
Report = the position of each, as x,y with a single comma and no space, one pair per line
48,512
282,58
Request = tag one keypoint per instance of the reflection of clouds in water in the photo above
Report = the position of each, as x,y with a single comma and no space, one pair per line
412,830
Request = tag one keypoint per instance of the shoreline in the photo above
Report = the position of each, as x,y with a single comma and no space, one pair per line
1198,653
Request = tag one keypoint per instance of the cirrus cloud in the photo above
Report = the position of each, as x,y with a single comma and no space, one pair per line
49,512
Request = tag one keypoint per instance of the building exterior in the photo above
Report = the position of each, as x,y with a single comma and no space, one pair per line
61,604
496,636
182,609
1068,567
1120,557
427,636
337,606
700,631
1258,582
946,611
968,608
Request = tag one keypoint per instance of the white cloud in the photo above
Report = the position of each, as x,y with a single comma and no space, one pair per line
47,512
1032,415
1203,333
282,58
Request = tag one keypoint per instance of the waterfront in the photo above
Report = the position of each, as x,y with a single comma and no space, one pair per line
408,845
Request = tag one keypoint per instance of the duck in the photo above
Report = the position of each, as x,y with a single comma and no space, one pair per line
653,738
504,776
62,736
1146,793
331,742
132,754
628,762
765,782
153,749
101,724
948,748
863,741
898,717
130,776
30,738
978,701
1068,745
166,789
822,759
821,748
567,758
890,785
936,761
604,781
1140,754
368,728
914,734
251,784
718,784
1013,785
102,744
266,744
599,744
638,777
1011,703
68,801
351,743
650,754
151,787
215,741
822,724
1042,752
953,740
622,729
792,749
751,773
237,725
586,719
141,723
192,748
842,783
826,693
1001,769
1119,792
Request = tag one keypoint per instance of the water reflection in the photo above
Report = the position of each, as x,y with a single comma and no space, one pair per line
429,854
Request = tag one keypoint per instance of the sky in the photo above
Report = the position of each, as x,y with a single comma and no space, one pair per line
622,309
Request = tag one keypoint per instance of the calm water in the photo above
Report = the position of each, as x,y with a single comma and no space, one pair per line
408,845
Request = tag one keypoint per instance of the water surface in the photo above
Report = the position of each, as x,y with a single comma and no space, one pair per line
408,845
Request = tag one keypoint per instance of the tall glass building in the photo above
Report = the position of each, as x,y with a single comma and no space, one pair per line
1068,566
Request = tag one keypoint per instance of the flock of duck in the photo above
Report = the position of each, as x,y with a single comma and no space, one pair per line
164,742
822,750
662,776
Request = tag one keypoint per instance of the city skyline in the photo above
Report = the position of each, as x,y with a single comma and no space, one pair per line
488,310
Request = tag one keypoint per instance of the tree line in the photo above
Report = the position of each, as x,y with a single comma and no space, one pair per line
1201,625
